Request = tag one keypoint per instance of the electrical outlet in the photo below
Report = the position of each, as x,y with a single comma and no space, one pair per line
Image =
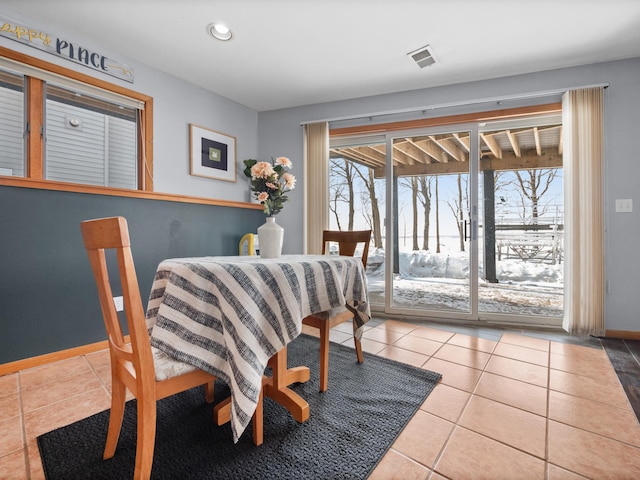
119,303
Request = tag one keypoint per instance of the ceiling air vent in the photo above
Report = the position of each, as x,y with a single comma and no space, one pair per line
423,56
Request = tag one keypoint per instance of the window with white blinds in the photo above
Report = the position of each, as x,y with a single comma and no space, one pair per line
89,140
12,124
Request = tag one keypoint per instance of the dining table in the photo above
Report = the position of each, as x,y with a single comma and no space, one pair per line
234,316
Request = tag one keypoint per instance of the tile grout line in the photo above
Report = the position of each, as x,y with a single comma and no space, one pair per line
456,424
432,467
25,446
547,415
486,436
93,369
436,460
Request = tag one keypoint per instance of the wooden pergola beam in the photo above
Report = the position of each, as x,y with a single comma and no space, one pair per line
509,161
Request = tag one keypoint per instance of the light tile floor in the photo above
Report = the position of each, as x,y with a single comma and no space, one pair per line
510,405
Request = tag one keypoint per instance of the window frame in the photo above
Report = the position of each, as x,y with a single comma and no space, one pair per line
35,145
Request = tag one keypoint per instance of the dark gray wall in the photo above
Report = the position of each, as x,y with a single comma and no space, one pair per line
48,297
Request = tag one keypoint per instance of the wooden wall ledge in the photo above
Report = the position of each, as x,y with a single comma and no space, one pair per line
121,192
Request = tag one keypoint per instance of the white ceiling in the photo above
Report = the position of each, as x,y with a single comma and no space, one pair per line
288,53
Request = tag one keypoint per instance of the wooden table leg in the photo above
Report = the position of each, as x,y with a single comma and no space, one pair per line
276,387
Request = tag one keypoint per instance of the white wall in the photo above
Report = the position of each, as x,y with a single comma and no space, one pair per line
280,133
176,104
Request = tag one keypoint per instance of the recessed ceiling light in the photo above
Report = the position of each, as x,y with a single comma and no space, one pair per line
220,31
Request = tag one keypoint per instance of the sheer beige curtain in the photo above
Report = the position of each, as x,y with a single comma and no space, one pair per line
582,118
316,184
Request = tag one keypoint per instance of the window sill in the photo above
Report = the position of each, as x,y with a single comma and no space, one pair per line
120,192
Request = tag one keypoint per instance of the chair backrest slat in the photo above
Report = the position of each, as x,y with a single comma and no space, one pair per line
348,241
112,233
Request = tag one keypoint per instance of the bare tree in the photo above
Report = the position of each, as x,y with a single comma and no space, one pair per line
420,192
414,208
365,202
437,218
374,220
458,206
336,197
534,184
342,188
528,187
424,183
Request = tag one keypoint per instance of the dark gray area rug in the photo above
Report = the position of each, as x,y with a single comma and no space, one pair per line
350,428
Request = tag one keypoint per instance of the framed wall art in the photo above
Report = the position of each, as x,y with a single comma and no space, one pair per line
213,154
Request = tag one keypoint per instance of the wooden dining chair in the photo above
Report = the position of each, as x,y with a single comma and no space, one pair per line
148,373
324,321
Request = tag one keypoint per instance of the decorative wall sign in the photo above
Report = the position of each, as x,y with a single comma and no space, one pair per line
213,154
64,49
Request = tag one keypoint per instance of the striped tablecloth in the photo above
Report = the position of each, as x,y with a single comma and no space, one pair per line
229,315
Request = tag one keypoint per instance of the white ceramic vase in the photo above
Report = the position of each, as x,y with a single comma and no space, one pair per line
270,236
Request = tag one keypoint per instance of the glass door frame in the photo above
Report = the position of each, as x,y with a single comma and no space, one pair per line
474,314
475,203
390,213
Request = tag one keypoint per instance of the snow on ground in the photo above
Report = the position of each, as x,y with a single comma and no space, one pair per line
440,281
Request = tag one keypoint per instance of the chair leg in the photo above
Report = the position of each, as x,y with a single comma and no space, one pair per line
258,420
209,389
146,437
116,414
358,350
324,356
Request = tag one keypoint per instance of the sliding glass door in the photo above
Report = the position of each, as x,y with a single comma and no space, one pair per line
467,222
357,199
431,227
521,220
